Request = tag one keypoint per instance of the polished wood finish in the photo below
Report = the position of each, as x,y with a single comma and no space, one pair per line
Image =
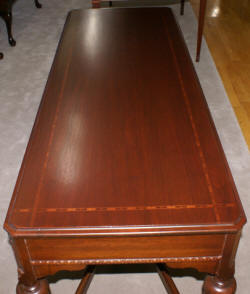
6,14
213,285
41,287
124,164
227,30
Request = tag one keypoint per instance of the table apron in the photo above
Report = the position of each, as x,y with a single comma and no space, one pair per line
48,255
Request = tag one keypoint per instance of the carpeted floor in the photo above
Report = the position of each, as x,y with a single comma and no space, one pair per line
23,73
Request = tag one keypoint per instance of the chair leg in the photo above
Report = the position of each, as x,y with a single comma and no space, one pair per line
38,5
85,282
1,55
166,279
182,6
7,17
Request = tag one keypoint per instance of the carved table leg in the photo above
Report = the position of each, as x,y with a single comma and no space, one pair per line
224,282
214,285
28,281
40,287
38,5
7,17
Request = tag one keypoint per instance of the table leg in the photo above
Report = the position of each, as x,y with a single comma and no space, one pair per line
203,4
40,287
213,285
223,282
28,282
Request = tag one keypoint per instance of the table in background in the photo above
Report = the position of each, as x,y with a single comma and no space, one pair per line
202,12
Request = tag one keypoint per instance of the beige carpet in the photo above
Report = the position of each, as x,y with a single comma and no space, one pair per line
23,75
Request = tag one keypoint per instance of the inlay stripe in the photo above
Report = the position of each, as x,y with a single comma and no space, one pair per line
192,122
127,208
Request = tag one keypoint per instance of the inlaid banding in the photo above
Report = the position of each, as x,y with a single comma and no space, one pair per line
127,208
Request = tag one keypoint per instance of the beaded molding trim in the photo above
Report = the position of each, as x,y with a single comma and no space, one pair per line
128,260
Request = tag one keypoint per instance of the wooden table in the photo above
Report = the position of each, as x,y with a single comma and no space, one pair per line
124,164
201,17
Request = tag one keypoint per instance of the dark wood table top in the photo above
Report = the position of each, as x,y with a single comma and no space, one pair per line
123,141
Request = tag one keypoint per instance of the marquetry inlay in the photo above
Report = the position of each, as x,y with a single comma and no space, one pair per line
194,128
128,208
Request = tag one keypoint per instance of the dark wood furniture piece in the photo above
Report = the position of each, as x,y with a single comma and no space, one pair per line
97,4
124,164
202,12
6,14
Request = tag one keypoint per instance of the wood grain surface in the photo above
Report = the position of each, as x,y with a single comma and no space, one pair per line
123,140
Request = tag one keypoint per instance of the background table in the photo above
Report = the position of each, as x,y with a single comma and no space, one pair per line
202,12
